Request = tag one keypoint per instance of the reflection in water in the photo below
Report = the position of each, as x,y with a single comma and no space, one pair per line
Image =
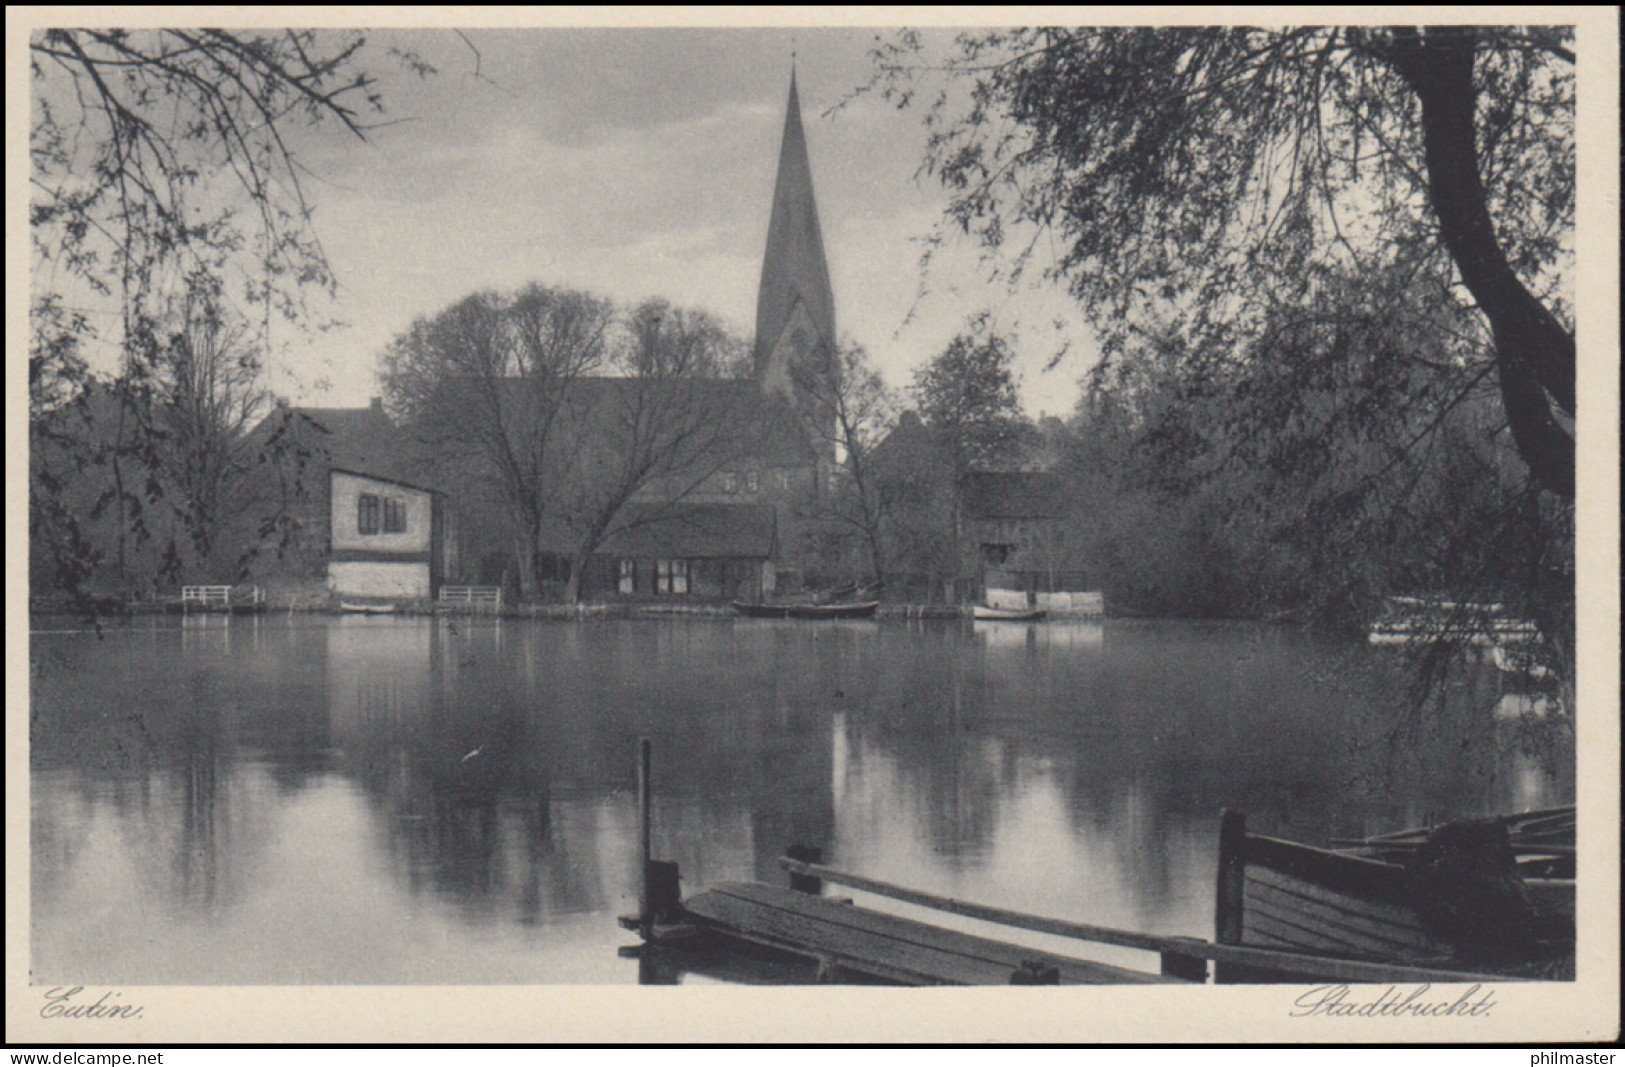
382,799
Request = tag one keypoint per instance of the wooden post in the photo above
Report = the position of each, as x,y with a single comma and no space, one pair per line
1228,903
1189,968
806,883
665,900
645,914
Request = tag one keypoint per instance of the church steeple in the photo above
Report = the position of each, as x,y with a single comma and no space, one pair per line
795,312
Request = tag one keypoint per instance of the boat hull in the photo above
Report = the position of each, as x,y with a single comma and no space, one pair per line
865,610
987,614
367,609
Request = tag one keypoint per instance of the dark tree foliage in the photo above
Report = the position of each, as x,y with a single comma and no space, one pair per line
1331,272
1205,176
967,395
563,410
852,412
163,177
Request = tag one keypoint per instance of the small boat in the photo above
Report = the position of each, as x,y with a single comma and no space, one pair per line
983,612
863,610
1408,620
366,609
1492,895
1520,662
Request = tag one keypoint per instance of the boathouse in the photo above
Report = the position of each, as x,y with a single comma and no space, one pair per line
386,537
692,551
1013,522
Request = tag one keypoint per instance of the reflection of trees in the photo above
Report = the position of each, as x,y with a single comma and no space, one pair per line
156,724
493,763
497,760
455,767
1156,729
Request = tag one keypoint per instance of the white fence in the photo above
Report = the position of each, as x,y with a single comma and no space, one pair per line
488,597
1055,604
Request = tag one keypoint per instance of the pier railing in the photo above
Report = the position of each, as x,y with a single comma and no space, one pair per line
206,596
474,596
1181,957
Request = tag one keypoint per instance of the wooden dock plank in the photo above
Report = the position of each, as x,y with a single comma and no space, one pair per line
887,946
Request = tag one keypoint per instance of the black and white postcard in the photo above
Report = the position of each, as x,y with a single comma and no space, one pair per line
797,512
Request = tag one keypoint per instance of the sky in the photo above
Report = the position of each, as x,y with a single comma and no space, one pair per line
636,163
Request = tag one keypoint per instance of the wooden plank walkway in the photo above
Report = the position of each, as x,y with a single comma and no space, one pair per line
883,946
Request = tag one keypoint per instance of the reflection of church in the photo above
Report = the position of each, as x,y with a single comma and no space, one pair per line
727,532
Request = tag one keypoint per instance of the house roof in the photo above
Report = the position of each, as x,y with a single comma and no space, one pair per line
695,531
1014,495
358,440
376,478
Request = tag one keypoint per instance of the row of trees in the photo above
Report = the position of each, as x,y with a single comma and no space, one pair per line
552,411
1331,270
154,476
170,230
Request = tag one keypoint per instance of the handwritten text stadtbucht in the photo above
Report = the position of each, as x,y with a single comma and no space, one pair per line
1339,1001
64,1002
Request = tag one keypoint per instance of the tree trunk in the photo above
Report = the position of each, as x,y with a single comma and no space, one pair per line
578,566
528,557
1534,354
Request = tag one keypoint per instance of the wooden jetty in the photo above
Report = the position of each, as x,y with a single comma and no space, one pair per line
844,938
1282,915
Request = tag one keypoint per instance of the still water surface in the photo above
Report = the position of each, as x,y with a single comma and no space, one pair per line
274,800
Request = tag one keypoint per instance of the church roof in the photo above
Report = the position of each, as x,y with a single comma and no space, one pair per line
793,268
727,418
695,531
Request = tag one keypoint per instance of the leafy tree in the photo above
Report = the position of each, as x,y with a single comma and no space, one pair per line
652,435
161,177
967,394
485,384
565,411
1202,176
211,397
1242,214
852,413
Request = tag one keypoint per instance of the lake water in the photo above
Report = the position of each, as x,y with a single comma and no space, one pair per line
305,799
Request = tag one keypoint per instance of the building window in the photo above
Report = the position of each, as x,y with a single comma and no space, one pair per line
394,515
366,514
671,576
629,576
997,555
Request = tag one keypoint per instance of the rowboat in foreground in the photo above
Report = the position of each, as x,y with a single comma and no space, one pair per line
864,610
1491,895
1474,901
987,614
